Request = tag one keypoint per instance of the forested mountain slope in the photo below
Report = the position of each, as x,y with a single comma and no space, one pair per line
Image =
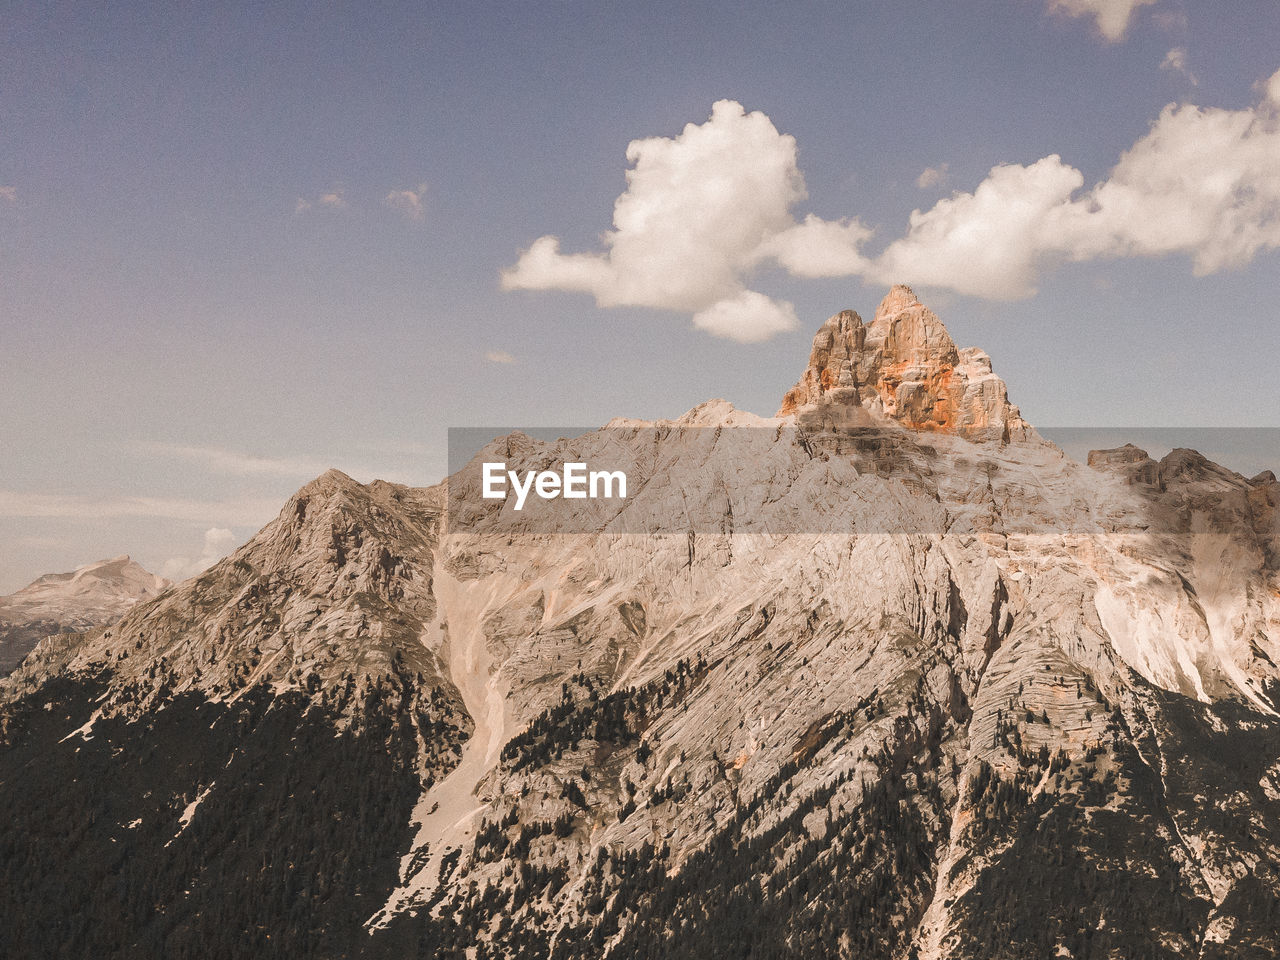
887,675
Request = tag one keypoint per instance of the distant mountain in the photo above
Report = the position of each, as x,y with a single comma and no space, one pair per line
92,596
884,676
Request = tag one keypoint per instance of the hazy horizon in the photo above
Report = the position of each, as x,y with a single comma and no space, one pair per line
239,247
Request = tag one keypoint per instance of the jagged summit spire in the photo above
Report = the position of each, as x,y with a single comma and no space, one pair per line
905,366
899,298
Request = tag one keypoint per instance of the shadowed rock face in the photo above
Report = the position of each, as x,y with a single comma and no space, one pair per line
964,692
904,367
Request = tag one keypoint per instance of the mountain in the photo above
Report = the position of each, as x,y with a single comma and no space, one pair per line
904,365
887,675
91,596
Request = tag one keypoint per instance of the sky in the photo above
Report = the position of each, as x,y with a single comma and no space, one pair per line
240,244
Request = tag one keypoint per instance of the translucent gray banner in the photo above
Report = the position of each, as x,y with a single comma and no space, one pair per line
781,479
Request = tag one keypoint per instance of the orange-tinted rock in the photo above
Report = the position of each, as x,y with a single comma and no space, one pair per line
836,347
905,366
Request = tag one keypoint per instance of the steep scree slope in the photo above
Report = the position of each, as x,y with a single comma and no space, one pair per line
911,684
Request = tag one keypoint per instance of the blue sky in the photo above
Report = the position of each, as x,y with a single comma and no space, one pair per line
239,245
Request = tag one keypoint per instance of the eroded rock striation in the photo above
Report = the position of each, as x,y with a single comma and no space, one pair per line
906,682
903,366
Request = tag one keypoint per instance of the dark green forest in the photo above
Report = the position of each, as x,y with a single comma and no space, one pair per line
295,845
304,810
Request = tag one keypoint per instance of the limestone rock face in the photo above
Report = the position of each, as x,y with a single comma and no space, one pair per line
872,686
94,595
905,367
339,585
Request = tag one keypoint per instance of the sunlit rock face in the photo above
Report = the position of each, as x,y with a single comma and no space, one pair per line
905,681
904,366
91,596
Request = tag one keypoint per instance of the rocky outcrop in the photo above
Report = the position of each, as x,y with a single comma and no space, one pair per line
905,367
912,696
338,586
91,596
1132,461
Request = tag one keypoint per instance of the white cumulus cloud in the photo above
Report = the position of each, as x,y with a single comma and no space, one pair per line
749,317
1112,17
1203,182
819,248
700,212
988,243
218,542
703,210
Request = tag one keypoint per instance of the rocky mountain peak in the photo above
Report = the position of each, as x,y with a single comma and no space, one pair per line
900,297
115,583
904,367
906,332
92,595
337,586
117,576
947,676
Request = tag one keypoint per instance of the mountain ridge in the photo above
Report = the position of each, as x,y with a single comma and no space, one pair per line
93,595
1002,698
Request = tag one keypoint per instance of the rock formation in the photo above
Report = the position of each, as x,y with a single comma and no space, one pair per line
945,693
905,367
94,595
